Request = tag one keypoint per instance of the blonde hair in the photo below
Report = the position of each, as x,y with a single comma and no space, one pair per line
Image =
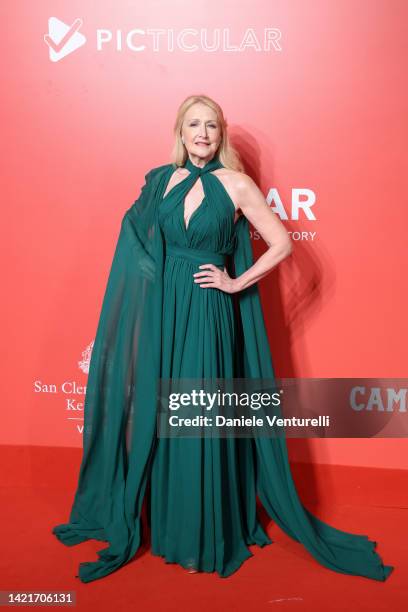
226,153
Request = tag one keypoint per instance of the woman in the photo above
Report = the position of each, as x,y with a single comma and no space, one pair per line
182,302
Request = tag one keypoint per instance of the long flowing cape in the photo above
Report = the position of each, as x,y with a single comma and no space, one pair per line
121,400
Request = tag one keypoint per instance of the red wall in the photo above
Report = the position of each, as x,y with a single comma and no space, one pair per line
323,109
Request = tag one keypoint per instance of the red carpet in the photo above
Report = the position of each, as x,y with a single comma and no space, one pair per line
36,493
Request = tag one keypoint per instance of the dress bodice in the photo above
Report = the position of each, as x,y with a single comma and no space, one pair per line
211,225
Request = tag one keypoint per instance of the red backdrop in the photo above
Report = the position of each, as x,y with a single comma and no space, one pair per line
319,107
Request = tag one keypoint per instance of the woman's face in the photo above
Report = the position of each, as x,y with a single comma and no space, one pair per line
201,131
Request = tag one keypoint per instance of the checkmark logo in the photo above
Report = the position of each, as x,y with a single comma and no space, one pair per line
62,39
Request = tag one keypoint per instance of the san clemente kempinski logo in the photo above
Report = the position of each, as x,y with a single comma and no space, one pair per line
64,38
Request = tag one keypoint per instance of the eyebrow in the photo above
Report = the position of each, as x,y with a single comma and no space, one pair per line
197,119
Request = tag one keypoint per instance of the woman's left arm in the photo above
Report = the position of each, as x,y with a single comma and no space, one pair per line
250,199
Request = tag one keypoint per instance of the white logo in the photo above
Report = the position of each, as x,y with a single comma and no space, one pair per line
86,358
63,39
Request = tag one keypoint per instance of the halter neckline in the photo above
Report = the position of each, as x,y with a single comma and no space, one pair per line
213,164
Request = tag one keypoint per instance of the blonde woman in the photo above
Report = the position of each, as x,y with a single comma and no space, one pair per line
182,302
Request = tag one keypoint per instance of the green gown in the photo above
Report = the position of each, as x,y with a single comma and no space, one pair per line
156,322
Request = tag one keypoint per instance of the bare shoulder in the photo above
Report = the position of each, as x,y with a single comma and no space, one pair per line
237,184
232,176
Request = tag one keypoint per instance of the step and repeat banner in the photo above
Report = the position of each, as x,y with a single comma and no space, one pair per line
315,99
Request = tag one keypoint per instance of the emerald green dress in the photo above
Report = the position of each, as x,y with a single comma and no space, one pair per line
157,323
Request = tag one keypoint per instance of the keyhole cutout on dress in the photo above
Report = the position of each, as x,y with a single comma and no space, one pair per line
192,202
194,199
